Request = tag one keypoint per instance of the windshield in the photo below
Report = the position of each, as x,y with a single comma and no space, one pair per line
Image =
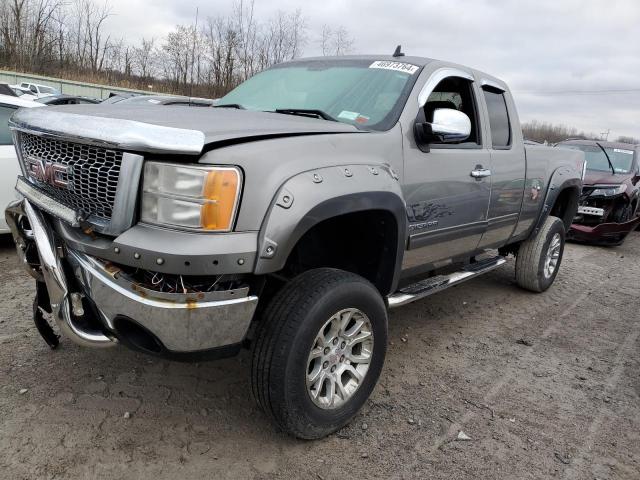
621,159
358,92
44,89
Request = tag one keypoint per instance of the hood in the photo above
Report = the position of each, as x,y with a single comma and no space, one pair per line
168,129
593,177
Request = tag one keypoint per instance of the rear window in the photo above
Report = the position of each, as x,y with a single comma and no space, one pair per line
498,118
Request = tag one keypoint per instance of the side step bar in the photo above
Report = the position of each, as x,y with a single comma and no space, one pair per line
429,286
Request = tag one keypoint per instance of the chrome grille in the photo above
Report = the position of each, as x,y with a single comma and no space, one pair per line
92,173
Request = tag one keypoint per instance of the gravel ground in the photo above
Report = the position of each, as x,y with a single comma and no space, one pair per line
545,386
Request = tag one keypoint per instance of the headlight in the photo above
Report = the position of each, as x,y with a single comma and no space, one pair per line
193,197
609,190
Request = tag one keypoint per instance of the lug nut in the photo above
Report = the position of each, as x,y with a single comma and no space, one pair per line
326,351
325,364
342,359
344,344
335,341
333,369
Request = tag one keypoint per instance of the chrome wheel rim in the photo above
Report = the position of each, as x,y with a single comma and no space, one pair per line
339,358
553,255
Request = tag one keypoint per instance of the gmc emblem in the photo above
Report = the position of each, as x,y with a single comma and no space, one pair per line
55,174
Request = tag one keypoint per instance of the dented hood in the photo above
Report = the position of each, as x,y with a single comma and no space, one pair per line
168,129
595,177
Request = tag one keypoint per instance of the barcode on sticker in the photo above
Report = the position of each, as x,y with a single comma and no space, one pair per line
397,66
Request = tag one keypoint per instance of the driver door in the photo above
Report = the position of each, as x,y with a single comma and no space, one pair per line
447,185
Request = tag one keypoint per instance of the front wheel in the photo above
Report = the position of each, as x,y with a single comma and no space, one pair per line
319,351
539,257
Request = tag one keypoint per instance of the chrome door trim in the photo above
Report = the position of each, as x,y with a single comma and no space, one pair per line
492,84
436,77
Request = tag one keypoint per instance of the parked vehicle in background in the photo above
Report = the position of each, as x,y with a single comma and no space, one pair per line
40,90
67,100
25,93
163,100
610,198
286,219
9,164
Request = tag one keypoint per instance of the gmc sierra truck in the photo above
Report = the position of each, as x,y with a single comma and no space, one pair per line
287,219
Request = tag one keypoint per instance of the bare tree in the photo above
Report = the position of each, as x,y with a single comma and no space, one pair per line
547,132
335,41
627,139
68,38
143,57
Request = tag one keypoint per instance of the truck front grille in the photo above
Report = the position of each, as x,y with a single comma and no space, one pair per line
90,174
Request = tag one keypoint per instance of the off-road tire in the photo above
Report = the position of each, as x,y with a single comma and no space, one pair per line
531,256
284,338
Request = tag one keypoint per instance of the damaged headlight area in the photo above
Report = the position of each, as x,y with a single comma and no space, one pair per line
191,197
608,190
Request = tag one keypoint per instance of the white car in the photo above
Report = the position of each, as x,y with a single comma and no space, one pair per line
40,90
25,93
8,160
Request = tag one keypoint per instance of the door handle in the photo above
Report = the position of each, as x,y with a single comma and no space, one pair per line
479,172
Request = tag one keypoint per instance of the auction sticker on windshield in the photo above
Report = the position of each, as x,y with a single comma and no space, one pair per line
620,150
397,66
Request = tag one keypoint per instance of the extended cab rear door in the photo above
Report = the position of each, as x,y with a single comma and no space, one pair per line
446,204
507,164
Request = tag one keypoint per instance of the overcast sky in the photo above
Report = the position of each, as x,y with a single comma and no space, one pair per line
587,50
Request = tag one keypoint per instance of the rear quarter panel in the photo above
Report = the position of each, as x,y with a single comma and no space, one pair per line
549,170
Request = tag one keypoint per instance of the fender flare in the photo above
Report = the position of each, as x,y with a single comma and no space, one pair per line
561,179
311,197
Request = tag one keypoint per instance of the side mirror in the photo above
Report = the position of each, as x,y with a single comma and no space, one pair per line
448,126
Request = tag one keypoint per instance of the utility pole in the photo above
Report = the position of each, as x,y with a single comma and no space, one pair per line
193,52
605,135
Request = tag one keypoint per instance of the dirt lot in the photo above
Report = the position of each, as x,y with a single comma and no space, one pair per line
545,386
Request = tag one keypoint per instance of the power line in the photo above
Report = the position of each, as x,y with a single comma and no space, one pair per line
578,92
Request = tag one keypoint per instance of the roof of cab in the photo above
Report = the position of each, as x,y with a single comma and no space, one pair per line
413,60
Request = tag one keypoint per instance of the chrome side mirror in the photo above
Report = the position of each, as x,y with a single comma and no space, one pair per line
450,126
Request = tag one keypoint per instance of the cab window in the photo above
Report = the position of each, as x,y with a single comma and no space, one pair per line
498,118
455,93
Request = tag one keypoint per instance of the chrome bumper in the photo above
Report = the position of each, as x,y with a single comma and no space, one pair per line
182,323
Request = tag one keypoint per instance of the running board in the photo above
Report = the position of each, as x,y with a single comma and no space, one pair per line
431,285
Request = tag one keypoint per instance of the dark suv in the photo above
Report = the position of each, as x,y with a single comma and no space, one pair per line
609,200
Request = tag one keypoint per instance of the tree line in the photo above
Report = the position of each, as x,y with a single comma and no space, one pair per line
544,132
69,39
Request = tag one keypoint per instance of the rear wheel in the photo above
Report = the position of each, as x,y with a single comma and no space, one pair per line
539,257
319,351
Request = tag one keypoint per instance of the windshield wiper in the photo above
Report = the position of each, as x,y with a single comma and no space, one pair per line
230,105
613,170
306,112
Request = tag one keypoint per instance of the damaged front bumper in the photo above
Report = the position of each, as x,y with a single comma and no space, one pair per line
95,305
604,233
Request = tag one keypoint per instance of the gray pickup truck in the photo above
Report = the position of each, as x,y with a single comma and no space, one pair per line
287,219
